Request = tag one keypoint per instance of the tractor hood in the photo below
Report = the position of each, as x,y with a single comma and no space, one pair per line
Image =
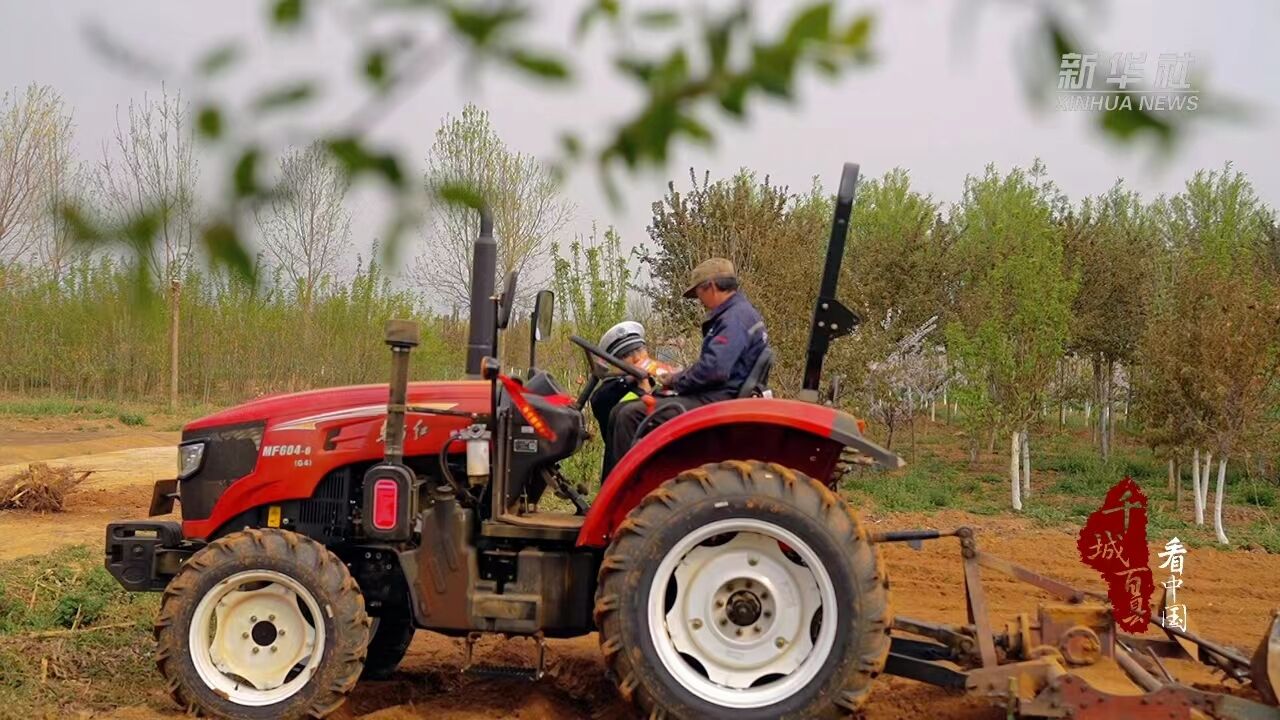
348,401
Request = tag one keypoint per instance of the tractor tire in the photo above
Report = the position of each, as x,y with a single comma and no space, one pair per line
387,645
709,603
250,667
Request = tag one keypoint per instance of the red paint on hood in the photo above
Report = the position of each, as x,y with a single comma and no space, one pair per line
470,395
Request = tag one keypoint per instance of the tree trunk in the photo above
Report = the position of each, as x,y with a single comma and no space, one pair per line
991,442
1177,487
1111,411
933,410
1014,483
912,420
1195,487
1204,480
1026,465
1217,502
1104,409
946,405
175,294
1170,474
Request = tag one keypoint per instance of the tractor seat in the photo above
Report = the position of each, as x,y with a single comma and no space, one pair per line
757,382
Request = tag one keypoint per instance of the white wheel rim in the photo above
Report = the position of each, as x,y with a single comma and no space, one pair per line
761,662
250,640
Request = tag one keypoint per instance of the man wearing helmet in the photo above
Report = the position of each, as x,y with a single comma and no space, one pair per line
626,342
733,338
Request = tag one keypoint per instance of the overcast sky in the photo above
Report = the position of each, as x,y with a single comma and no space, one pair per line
945,97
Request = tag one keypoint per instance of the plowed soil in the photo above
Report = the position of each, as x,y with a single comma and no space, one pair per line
1230,596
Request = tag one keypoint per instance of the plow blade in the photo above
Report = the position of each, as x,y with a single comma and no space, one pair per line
1265,668
1070,661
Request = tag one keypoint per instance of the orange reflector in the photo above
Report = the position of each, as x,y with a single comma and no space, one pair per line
862,426
530,415
386,501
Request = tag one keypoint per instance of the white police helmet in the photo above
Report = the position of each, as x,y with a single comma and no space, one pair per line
623,339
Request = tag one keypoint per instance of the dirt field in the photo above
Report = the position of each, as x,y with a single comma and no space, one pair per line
1229,595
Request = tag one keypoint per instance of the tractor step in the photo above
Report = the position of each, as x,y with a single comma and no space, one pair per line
506,671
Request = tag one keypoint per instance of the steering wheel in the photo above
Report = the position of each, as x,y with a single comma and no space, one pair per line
617,362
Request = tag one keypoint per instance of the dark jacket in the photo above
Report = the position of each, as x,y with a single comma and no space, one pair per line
608,395
733,336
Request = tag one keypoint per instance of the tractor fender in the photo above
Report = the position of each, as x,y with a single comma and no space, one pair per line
799,435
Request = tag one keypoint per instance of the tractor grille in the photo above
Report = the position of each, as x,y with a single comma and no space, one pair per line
327,513
230,453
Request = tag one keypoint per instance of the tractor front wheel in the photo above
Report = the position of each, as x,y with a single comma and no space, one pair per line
262,624
743,588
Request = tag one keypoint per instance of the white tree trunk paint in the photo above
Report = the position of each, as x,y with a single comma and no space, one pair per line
1170,474
933,410
1217,502
1204,480
1026,465
1014,482
1195,486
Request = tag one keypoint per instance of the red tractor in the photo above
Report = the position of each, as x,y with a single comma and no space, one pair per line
320,529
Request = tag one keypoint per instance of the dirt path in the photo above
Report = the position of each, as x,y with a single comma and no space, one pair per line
1229,595
119,487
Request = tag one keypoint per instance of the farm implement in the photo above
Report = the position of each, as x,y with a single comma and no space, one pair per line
724,575
1070,661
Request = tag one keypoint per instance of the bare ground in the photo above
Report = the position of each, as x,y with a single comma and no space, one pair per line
1230,596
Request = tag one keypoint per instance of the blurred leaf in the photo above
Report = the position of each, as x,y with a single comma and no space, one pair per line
1059,39
245,175
658,19
209,122
641,70
225,248
695,129
83,228
674,72
858,34
1128,120
375,68
455,193
141,229
608,9
286,13
219,59
813,23
734,96
356,160
284,96
571,145
543,66
481,25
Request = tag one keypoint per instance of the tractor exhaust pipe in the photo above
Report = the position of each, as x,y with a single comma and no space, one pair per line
484,265
402,337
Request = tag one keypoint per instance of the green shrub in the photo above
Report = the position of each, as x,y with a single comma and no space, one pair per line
132,419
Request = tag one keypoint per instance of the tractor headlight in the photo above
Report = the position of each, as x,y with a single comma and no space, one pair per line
189,457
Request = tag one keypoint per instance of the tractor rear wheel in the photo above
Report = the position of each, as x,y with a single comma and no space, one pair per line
388,642
262,624
743,588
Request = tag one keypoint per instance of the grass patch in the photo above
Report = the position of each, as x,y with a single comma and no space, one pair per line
927,485
59,407
54,661
132,419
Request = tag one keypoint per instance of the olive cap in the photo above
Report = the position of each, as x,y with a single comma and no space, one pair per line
709,269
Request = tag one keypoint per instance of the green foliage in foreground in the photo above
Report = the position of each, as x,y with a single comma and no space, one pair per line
46,668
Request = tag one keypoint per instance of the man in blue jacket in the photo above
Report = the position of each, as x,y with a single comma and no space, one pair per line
733,336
